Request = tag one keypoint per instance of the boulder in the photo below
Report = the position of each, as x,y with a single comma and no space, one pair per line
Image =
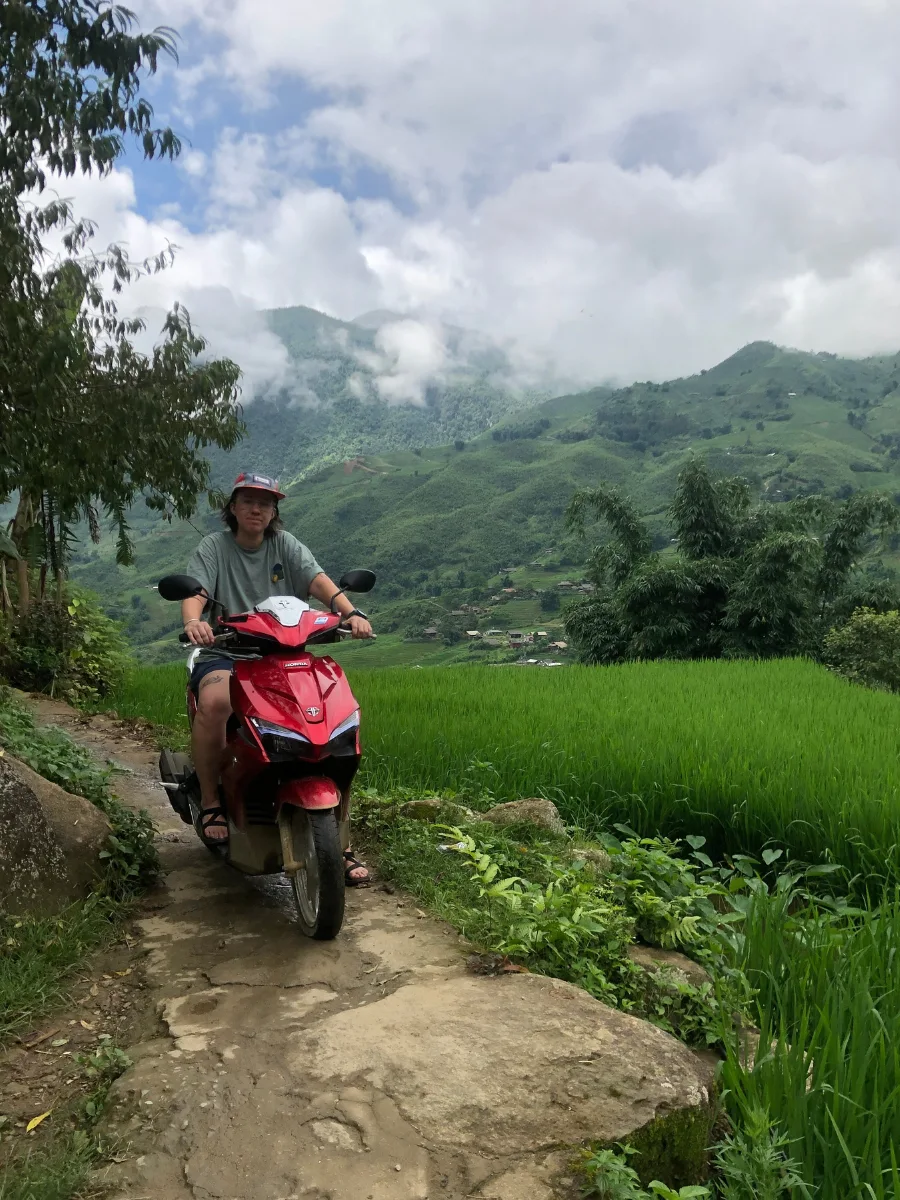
426,809
517,1065
542,813
432,808
594,857
50,842
655,960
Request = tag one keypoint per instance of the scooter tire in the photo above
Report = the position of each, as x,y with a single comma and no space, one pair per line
325,838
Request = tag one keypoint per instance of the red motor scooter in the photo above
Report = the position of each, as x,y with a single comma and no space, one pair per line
292,749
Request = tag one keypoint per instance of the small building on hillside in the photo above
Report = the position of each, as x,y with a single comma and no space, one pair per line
473,633
430,633
559,645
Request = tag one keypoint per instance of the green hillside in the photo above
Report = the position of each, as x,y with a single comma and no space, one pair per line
439,524
331,408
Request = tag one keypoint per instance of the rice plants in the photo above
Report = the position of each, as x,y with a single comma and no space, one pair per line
745,753
829,1013
154,693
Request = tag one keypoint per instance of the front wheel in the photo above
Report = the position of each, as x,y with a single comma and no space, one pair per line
318,885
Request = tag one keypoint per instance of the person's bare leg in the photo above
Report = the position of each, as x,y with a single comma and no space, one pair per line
208,740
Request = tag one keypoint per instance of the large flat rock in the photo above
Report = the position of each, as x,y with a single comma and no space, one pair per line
506,1066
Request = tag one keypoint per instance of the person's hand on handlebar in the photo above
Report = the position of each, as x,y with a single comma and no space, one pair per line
199,632
359,627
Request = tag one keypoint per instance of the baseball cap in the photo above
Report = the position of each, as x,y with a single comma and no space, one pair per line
262,483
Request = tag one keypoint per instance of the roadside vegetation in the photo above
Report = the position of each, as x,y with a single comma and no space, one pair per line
40,957
803,1002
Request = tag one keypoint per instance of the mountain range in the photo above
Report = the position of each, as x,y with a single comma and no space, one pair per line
443,496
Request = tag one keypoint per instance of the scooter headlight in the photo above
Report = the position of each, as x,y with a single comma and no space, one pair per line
351,722
277,741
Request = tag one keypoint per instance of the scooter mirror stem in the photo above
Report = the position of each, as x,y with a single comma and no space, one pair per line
334,597
212,600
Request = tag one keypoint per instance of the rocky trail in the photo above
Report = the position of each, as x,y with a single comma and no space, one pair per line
375,1067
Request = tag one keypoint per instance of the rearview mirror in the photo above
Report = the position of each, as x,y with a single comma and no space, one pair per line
357,581
179,587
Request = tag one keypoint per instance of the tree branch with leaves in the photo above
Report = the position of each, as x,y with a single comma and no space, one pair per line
87,420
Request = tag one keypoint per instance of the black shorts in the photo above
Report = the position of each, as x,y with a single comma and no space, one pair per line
206,666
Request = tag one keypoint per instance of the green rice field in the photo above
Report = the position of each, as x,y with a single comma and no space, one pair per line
748,754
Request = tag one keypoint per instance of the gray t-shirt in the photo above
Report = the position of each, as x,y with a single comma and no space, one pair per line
281,566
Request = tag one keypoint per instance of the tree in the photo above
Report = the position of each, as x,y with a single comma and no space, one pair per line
86,419
549,600
867,649
744,580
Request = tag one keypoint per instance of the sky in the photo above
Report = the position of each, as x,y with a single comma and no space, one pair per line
612,189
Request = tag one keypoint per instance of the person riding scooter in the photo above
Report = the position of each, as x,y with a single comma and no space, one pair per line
252,559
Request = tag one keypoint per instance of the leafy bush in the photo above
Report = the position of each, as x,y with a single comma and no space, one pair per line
867,649
754,1165
69,648
518,895
609,1177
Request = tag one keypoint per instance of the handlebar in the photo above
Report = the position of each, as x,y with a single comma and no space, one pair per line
222,639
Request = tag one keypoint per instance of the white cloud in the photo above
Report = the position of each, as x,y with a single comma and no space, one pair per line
408,355
631,189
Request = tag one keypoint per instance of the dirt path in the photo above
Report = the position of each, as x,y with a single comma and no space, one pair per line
374,1067
224,1103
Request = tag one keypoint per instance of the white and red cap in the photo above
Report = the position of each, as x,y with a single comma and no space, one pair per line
259,483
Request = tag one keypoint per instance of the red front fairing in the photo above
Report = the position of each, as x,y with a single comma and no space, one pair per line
301,692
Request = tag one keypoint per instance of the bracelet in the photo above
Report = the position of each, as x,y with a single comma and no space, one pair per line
193,621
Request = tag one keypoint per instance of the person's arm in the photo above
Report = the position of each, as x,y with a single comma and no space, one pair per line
199,631
202,567
322,588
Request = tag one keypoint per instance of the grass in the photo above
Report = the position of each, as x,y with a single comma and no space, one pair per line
59,1173
60,1170
745,753
38,955
748,754
828,1003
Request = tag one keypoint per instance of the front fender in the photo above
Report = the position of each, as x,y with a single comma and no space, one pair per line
313,793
